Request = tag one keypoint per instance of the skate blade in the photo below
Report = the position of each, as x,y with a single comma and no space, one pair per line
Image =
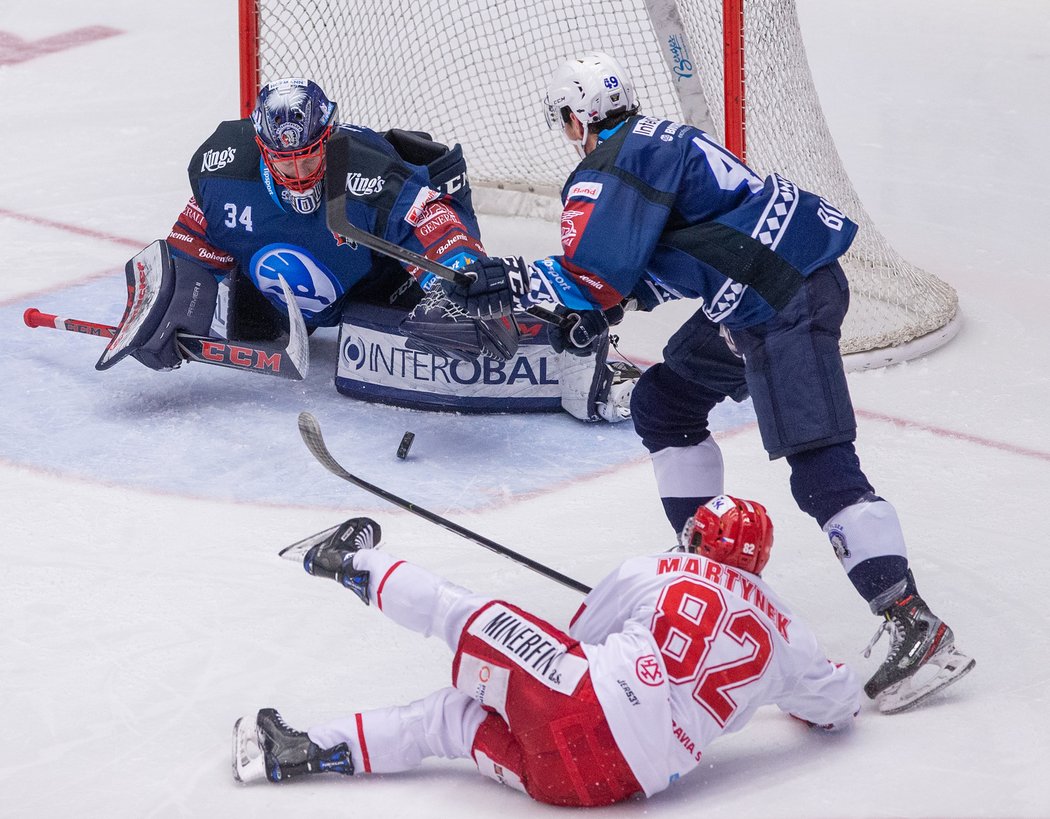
951,667
299,549
249,763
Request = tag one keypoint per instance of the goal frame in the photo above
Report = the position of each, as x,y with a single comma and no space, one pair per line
899,312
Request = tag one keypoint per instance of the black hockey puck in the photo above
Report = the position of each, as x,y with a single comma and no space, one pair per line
406,444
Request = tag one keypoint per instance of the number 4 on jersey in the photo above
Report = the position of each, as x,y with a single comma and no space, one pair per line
728,171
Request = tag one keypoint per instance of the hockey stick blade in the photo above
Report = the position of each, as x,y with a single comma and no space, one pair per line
310,430
291,361
337,153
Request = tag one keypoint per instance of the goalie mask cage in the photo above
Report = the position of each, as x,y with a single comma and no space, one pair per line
475,72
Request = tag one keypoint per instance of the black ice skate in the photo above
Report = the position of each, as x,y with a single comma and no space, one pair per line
331,553
439,327
922,658
264,747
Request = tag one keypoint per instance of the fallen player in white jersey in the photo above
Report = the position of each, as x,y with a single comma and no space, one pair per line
666,654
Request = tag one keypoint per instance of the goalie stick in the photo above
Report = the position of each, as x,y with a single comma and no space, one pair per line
291,361
337,153
311,433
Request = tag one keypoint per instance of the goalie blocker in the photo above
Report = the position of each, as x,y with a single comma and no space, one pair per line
375,364
165,296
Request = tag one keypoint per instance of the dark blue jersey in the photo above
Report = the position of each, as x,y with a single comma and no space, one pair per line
658,210
238,217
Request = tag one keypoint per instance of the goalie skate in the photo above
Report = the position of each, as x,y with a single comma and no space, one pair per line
942,669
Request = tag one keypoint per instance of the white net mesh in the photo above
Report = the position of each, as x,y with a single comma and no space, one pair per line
474,72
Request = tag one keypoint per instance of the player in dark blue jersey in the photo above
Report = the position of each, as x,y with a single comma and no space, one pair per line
657,210
258,214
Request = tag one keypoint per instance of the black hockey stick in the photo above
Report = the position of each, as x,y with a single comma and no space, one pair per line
269,359
311,432
338,153
291,361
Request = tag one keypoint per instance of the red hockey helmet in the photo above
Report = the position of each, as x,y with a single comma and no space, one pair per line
732,531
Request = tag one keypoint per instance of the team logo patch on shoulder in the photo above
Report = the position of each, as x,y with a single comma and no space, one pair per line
358,185
418,209
584,190
214,160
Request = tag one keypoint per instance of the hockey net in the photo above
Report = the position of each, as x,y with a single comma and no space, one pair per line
474,72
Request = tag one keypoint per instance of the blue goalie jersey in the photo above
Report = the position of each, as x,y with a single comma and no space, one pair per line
238,218
659,211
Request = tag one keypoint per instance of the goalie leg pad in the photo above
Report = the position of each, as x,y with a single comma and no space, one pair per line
595,389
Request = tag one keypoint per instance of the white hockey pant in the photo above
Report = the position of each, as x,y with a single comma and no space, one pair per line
441,724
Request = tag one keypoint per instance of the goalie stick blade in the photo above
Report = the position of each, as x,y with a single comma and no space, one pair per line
951,666
299,549
249,762
298,348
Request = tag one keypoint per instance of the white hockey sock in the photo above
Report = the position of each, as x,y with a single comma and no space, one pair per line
417,599
689,471
388,740
865,530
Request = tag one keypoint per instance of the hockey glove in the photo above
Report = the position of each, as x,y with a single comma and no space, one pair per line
165,295
584,335
334,556
496,282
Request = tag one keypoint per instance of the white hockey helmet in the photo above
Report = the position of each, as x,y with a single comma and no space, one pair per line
591,87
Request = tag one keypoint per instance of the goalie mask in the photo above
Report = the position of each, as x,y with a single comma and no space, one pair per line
732,531
293,119
592,88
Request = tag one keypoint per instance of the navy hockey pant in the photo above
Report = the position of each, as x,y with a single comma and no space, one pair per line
794,374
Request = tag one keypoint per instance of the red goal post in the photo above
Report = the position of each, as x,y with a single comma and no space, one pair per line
474,72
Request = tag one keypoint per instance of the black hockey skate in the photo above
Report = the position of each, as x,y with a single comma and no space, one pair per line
331,553
439,327
922,658
265,747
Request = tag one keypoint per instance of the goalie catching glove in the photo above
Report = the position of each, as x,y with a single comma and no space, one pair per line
497,287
